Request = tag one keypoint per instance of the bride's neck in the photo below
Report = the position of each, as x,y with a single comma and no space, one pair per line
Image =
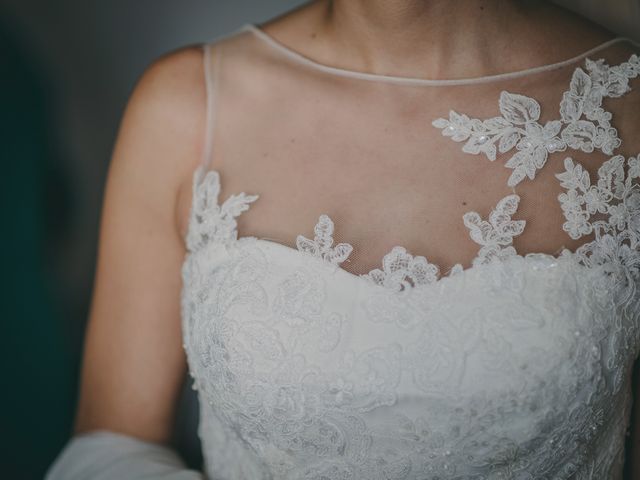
463,38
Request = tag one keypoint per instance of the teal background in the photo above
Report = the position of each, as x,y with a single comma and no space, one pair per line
66,71
38,361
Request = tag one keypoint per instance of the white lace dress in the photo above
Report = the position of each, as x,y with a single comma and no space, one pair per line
466,306
513,366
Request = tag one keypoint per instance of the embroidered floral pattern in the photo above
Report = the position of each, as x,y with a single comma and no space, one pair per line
445,394
209,221
584,124
402,270
616,196
495,235
322,244
518,128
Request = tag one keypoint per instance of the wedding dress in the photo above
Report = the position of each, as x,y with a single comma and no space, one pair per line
400,278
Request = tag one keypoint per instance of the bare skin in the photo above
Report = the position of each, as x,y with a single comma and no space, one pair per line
134,360
436,38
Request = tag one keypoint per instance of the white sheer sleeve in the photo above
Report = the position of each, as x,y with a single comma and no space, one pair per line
104,455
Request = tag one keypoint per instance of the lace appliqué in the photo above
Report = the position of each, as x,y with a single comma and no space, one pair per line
401,270
322,244
616,197
211,222
495,235
584,124
517,127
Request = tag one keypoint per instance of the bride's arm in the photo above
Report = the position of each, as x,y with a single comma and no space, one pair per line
134,362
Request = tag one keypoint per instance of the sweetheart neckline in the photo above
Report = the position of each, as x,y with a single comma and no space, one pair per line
200,177
545,260
238,203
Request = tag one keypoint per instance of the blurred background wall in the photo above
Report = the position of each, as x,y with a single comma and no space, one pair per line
67,68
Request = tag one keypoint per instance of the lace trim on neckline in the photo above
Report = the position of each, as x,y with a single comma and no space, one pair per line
289,52
614,198
214,222
616,246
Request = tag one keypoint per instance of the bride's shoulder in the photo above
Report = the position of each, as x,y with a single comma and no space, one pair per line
557,32
570,33
171,83
161,130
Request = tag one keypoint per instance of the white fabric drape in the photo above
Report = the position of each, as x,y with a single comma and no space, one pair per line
104,455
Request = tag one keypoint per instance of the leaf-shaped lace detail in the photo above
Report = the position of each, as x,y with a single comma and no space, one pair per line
401,270
209,221
322,244
583,125
495,235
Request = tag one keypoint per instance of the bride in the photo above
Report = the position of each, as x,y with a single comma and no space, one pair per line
466,306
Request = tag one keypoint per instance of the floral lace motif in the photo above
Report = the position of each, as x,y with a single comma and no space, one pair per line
616,197
402,270
321,245
496,235
584,124
517,127
209,221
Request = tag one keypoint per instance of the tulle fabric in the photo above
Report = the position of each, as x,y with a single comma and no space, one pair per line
311,139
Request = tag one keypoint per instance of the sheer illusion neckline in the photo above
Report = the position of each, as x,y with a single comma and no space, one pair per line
295,55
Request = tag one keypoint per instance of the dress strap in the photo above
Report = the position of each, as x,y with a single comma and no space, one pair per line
210,61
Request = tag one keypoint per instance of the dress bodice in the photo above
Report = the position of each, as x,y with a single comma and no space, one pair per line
511,365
